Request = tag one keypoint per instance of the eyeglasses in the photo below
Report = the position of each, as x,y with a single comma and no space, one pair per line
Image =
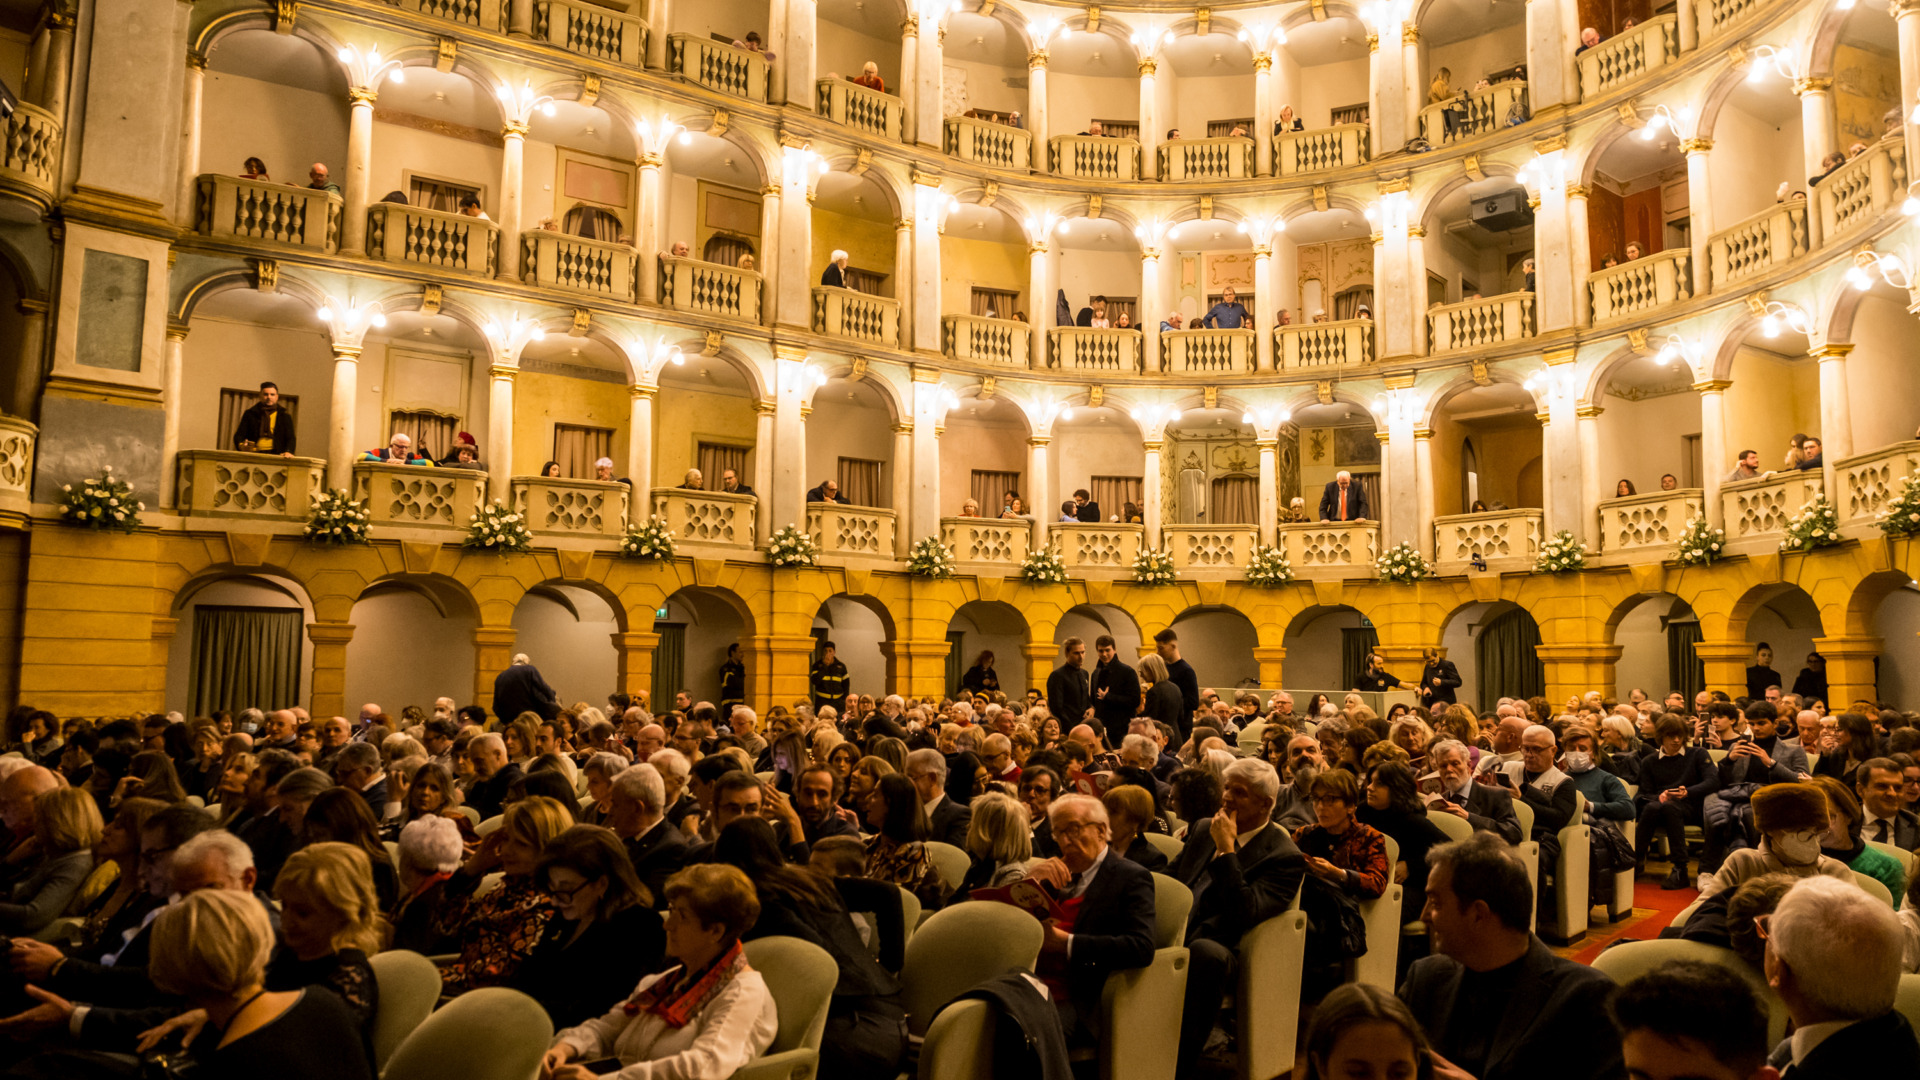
1071,829
564,895
1760,926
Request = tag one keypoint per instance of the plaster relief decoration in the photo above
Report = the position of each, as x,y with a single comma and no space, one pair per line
1329,269
953,90
1233,268
1317,443
1864,80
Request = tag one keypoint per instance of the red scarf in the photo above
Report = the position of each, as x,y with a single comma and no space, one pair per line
678,998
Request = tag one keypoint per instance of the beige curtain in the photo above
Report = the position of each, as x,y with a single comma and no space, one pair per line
990,487
592,223
434,195
994,303
1113,493
1236,501
726,250
859,481
577,448
712,459
1346,305
432,433
235,403
1370,483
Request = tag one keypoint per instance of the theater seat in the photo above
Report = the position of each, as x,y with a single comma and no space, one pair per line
959,948
1628,961
801,977
1267,1003
1383,916
409,986
959,1042
492,1033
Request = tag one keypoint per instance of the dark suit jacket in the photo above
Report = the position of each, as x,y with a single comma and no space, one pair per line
1905,831
658,855
1887,1039
948,823
521,689
1089,513
486,795
1238,891
1147,856
1112,932
253,425
1356,502
1449,677
1068,695
1490,809
1550,1025
1122,702
1759,678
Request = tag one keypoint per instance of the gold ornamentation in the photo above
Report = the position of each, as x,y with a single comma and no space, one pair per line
989,192
431,297
445,51
1211,396
1093,18
1637,339
987,387
589,89
1206,208
582,320
285,14
1096,395
266,275
1481,375
862,161
711,345
858,370
1323,389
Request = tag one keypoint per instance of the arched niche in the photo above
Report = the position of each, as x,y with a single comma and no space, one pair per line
241,642
857,625
568,633
1656,636
698,625
1088,621
1492,646
1219,643
412,642
989,626
1320,643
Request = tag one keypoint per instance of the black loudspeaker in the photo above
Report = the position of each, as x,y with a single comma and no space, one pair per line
1504,211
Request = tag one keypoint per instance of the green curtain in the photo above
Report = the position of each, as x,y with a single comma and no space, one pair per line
1686,672
246,658
669,664
956,662
1355,643
1508,658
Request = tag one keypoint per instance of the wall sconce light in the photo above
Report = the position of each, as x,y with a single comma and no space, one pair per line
352,317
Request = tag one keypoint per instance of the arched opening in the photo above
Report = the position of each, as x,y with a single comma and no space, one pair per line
1212,469
1098,450
412,642
1492,645
713,201
1656,636
1096,258
1786,620
853,33
729,22
423,120
983,456
241,642
850,441
1774,394
711,401
19,372
1482,49
988,626
1479,239
1320,443
432,386
1323,269
1093,76
1088,621
1326,650
1651,428
1498,421
1759,123
276,97
1896,622
985,67
854,213
1206,89
240,338
983,265
698,625
1634,180
568,632
1219,643
1322,71
571,406
1205,259
857,625
1881,379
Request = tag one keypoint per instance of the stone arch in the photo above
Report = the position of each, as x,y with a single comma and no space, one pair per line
553,622
228,585
1218,640
1011,17
1815,51
1461,383
862,629
1314,659
415,639
1109,618
1339,9
1302,397
1463,647
706,619
1602,370
1739,620
1427,203
1718,91
1865,597
1632,668
995,626
733,358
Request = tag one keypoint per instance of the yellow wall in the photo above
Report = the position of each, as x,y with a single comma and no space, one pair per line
683,419
868,242
540,401
966,263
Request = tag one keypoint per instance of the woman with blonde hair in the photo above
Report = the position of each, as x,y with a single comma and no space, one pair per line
66,826
1000,839
498,930
230,793
1160,699
1411,734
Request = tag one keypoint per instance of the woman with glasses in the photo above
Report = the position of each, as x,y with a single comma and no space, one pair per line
603,932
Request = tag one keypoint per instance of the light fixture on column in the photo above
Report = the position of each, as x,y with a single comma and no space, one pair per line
1262,228
1263,38
1661,118
800,164
1151,232
1546,172
1679,348
520,104
1266,416
1767,58
1043,31
1778,315
367,68
1891,269
1552,381
1394,405
514,334
1149,40
1058,410
656,134
800,374
1040,226
1383,16
663,353
350,317
1154,415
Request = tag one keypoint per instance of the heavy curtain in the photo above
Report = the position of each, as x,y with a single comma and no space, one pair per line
994,303
713,459
577,448
956,660
726,250
245,657
1346,305
437,195
1686,672
859,481
1508,658
1235,501
235,403
669,662
1113,493
989,488
1369,483
1355,643
432,433
592,223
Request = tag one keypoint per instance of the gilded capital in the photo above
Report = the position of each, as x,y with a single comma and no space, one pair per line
1262,62
498,371
1695,145
514,129
361,95
1148,66
1813,84
1037,58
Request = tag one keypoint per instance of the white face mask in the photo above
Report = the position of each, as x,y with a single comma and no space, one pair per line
1576,762
1796,849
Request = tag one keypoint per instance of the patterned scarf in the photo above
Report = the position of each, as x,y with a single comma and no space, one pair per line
677,1000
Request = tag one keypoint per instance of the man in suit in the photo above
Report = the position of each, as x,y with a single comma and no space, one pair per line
1069,693
1833,955
947,820
493,774
1693,1019
1243,870
1343,500
357,768
1878,782
827,492
636,812
1116,690
1486,808
520,688
1084,508
730,483
266,427
1438,680
1761,674
1497,1003
1110,901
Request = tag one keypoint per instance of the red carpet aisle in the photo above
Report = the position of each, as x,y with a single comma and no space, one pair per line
1653,909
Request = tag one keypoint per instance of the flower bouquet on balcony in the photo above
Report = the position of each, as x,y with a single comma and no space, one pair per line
648,540
1154,567
1901,517
101,502
930,558
1700,543
1044,567
497,528
1817,525
1402,562
1268,568
1561,554
790,547
337,520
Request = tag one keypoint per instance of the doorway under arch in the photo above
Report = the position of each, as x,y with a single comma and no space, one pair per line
1493,646
1219,643
241,643
856,625
698,626
412,642
988,626
568,632
1656,637
1326,649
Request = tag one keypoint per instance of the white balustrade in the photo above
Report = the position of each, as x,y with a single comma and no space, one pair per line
479,14
1763,242
1868,482
420,496
1655,520
591,30
227,483
1716,15
562,506
1322,149
705,288
859,107
1863,189
286,214
1627,56
717,65
398,233
30,151
998,146
1347,547
857,316
17,439
1216,351
1760,508
1211,547
1663,278
1087,348
1097,545
1094,157
1224,158
999,541
706,517
1478,112
840,529
982,340
1502,534
1327,344
1477,324
573,263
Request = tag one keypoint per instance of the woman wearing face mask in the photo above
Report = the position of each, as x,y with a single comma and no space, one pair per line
1607,798
1842,840
1793,820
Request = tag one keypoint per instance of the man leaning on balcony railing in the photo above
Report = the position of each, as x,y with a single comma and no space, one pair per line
1747,468
1228,314
730,484
869,77
266,427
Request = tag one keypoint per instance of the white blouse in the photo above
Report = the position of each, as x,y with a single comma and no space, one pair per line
735,1027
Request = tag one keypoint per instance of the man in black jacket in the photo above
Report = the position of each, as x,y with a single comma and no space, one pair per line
1497,1003
1084,508
1485,808
1438,680
1343,500
637,815
266,427
1833,953
828,680
1691,1018
1112,925
1116,690
520,688
1069,693
493,774
1243,870
947,820
1761,674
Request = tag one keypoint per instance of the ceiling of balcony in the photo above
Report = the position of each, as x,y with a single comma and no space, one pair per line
1871,28
705,373
1211,424
1096,55
1096,234
711,159
445,96
574,356
1454,214
981,40
1329,42
971,221
1327,226
994,411
1447,21
1629,159
1215,235
286,60
854,196
1770,100
1106,418
1339,414
429,331
1492,400
1215,56
1644,377
874,18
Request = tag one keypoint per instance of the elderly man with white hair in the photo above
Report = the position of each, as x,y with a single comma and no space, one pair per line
493,774
429,846
1343,500
1833,955
947,820
835,275
637,815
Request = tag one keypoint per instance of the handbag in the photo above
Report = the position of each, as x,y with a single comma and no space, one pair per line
1336,931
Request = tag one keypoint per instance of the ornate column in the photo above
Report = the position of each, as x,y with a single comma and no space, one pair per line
1401,516
1150,134
1040,311
1850,675
769,262
1272,660
1836,412
1816,120
346,384
1552,251
647,234
904,286
1906,15
1579,252
909,82
1700,210
59,69
328,695
512,172
1423,487
930,204
1150,493
793,305
1150,306
1036,118
499,429
1393,295
1588,421
1269,495
904,468
1560,445
1039,488
640,451
1412,57
1263,113
170,379
1389,97
633,661
763,453
192,100
1416,286
786,491
793,24
1552,33
929,412
1263,304
353,193
1713,445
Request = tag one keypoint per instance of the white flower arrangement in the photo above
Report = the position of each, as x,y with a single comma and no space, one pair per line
650,539
1817,525
1044,567
1154,567
790,547
336,520
1402,562
1268,567
498,528
1561,554
929,558
1901,516
1700,543
101,502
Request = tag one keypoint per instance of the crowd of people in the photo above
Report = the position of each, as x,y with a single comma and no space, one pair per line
219,883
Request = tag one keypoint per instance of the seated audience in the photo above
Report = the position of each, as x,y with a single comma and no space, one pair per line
897,853
430,851
1000,839
1792,819
1842,843
66,827
1833,955
498,929
1130,810
1687,1018
1675,781
1363,1031
603,929
1107,919
341,816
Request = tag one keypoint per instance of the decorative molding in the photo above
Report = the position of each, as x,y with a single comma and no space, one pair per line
1210,395
989,191
1203,21
440,127
285,14
1695,145
1637,339
858,370
1093,18
1094,203
582,321
1320,197
445,51
1095,396
862,161
589,90
266,275
1323,389
711,346
1482,376
988,385
718,125
1206,208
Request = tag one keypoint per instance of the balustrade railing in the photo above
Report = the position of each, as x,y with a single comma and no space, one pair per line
1211,547
398,233
1767,240
1645,522
1663,278
30,150
1477,324
1322,149
1862,189
1097,545
1502,534
1090,157
856,315
985,341
1320,345
557,506
1627,56
1716,15
1224,158
859,107
718,66
286,214
1337,545
1086,348
839,529
999,541
706,288
590,30
706,517
1868,482
418,496
479,14
1213,351
1476,112
227,483
17,439
995,145
576,264
1760,508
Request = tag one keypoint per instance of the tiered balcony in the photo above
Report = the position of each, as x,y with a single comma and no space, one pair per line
981,340
994,145
1650,523
418,496
1479,324
575,264
860,108
1511,535
1763,242
591,31
253,210
856,316
17,438
557,506
260,487
706,517
1211,547
1862,189
1717,15
1655,281
720,67
30,153
1487,111
1330,549
478,14
992,541
856,531
397,233
1224,158
1323,345
1868,482
1221,352
1322,149
1754,512
1086,348
1087,157
1097,545
1625,57
705,288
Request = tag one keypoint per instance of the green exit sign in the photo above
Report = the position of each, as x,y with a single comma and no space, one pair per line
659,613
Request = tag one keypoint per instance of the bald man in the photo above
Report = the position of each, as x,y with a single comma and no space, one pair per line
1506,746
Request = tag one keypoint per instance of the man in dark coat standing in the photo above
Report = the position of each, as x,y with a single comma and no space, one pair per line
1068,694
1116,690
521,689
266,427
1438,680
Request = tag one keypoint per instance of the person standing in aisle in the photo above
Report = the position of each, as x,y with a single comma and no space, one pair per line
828,679
733,681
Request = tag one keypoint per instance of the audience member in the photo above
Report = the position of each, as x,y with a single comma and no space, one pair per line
1833,956
603,929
